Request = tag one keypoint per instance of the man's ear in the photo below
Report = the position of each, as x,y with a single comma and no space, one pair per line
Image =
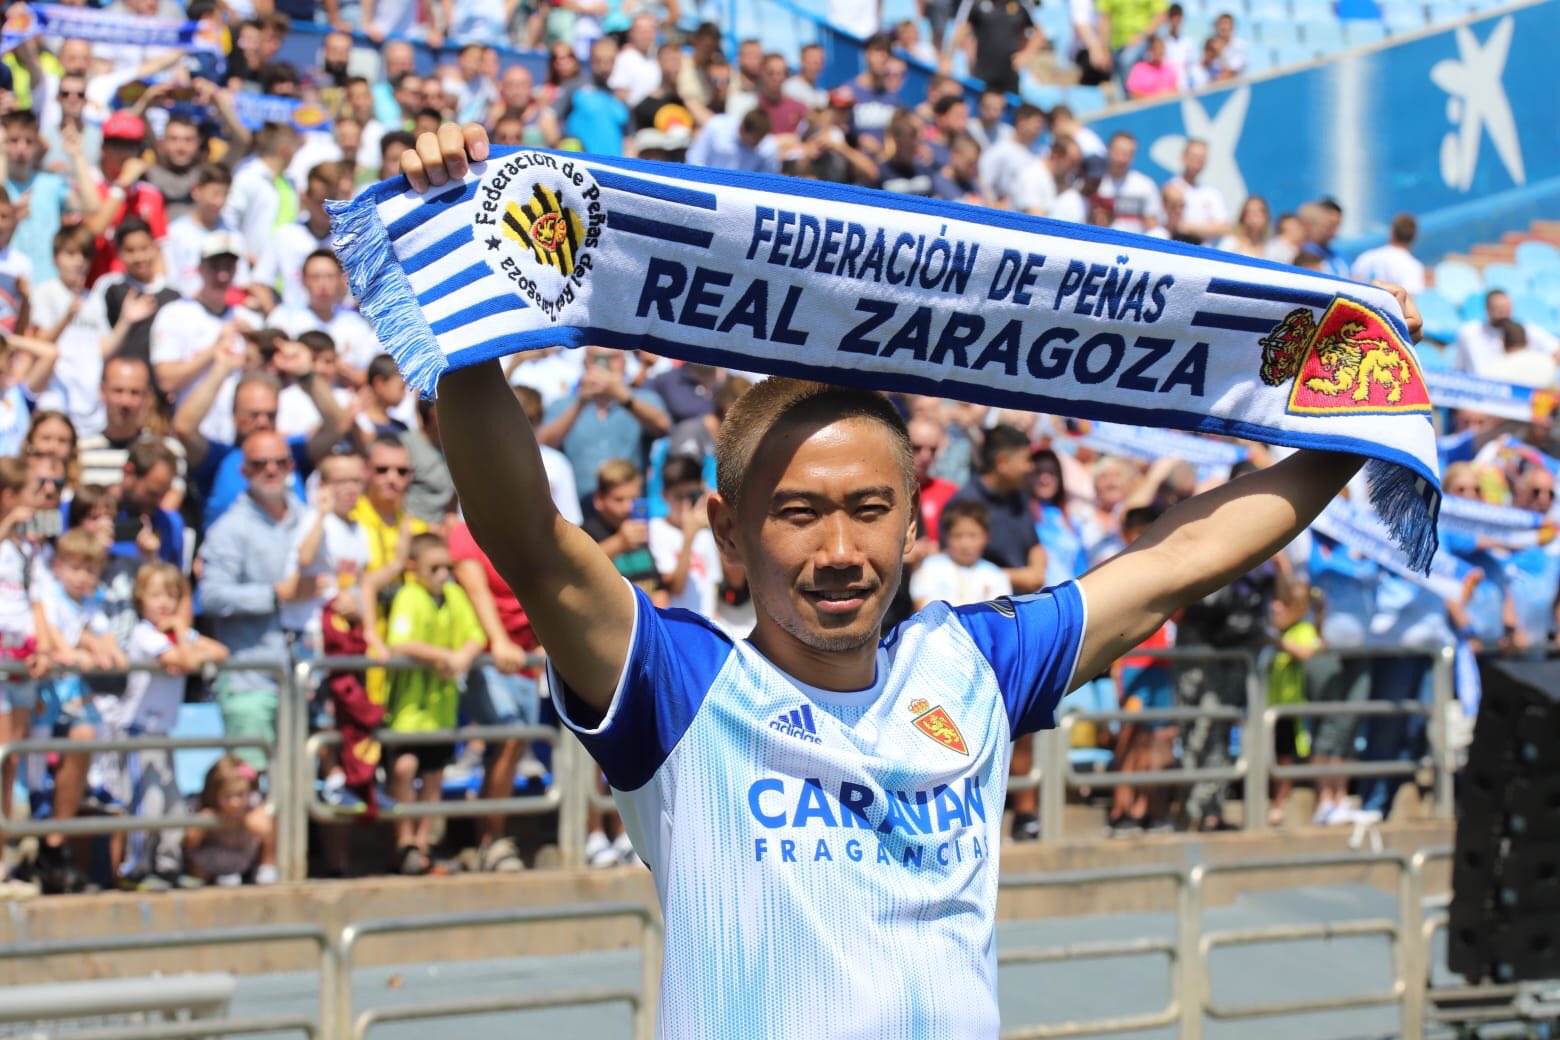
723,525
913,529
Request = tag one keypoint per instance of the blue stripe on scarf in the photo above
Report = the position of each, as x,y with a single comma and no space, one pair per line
454,282
1237,322
655,190
1252,291
659,229
476,312
433,206
440,249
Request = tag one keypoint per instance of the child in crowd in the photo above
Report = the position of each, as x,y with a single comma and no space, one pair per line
620,525
26,367
74,632
23,567
1298,640
682,544
432,622
186,235
383,391
151,707
243,845
959,574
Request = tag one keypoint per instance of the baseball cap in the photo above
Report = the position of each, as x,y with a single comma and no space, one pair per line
124,126
220,243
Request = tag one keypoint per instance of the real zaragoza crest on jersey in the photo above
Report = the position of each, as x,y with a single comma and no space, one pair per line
540,217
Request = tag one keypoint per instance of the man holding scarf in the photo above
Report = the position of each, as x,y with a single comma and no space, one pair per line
820,808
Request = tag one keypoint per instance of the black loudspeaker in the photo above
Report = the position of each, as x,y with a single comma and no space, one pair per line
1504,923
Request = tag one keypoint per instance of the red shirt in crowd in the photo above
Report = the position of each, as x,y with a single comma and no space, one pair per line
510,613
935,494
143,200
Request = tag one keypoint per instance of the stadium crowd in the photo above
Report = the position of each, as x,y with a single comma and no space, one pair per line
206,459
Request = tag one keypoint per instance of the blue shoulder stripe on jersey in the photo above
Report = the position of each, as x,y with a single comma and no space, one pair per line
1032,644
673,660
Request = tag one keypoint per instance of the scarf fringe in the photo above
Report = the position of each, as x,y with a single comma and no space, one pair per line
384,295
1399,501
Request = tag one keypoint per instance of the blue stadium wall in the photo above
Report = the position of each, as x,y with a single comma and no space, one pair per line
1460,126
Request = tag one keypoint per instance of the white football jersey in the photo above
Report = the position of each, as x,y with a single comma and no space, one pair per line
827,862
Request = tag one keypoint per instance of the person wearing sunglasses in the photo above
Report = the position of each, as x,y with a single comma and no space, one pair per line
247,579
381,513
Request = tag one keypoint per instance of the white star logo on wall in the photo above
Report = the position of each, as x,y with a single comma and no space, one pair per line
1476,102
1222,134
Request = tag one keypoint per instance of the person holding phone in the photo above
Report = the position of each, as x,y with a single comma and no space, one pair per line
605,419
143,529
683,547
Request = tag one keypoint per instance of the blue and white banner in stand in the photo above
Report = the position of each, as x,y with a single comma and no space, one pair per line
1504,526
1488,396
24,22
861,287
1212,458
1361,531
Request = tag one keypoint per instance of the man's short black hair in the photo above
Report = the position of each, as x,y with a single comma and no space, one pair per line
382,367
681,469
999,441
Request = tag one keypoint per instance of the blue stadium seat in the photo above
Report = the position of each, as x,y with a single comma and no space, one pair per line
1457,281
1440,315
1546,285
1407,19
1360,33
1291,54
190,765
1322,37
1272,32
1056,23
1041,95
1198,28
1084,100
1258,59
1473,308
1270,10
1442,11
1537,256
1534,310
1509,277
896,11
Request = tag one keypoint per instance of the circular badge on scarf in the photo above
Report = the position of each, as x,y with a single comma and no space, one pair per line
539,217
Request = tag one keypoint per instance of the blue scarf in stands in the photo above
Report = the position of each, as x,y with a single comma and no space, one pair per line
864,288
25,22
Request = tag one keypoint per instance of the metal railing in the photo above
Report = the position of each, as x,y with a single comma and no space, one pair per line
282,798
642,998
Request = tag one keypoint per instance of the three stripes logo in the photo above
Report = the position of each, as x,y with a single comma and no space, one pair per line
798,723
544,225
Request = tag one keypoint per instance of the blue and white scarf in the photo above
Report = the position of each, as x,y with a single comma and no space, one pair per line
24,23
1489,396
860,287
255,110
1504,526
1213,459
1359,530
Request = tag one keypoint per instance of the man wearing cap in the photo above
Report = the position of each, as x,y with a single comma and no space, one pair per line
187,334
121,191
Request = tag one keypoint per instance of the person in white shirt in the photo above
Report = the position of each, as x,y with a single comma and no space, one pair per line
1004,162
187,235
553,372
1134,197
635,71
282,257
1205,215
1180,50
326,311
1393,262
1041,182
1520,364
682,544
959,575
1481,344
807,85
1232,52
332,547
254,201
561,487
187,334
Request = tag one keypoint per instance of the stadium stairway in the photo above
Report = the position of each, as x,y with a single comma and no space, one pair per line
334,904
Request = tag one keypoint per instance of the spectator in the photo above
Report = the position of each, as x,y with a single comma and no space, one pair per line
128,400
560,472
23,570
285,253
1321,220
1003,487
189,336
1127,28
959,575
619,522
1145,684
1153,75
785,113
1065,558
48,194
247,578
1205,215
728,143
261,200
1091,40
1043,180
1297,640
1208,69
1285,246
187,234
682,544
874,95
605,419
635,70
1521,365
178,163
1134,198
593,114
905,168
687,390
1481,345
119,190
384,390
1004,37
806,86
1180,50
325,284
431,495
62,116
927,438
26,364
1253,231
1232,49
474,91
74,634
432,622
1003,164
243,844
1346,586
1065,124
1394,262
127,302
143,529
162,637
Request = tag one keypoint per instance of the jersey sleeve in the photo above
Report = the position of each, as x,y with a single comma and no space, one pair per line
1032,644
673,660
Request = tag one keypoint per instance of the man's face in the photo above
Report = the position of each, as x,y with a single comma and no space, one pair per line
602,54
991,108
508,131
217,273
823,531
399,58
432,93
21,145
180,145
267,466
338,50
617,505
432,567
812,63
76,57
72,95
1011,470
254,409
343,477
1497,308
641,34
1122,151
926,440
322,281
1535,490
127,395
750,55
1224,28
139,253
954,121
360,98
772,78
408,94
516,87
389,475
877,61
142,494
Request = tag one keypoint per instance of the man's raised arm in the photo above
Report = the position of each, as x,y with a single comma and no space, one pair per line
1207,542
581,608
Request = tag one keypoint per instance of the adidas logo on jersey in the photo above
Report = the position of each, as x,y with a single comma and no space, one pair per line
798,723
